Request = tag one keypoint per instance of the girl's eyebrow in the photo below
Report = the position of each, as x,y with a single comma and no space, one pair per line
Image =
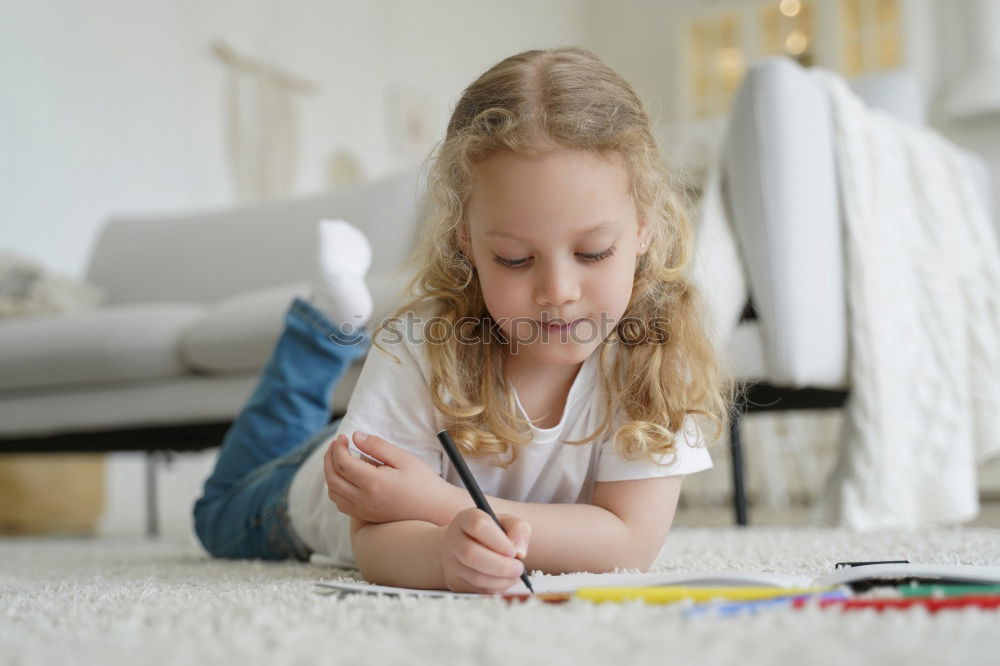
600,226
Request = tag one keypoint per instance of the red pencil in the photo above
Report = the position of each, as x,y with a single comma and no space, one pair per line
930,603
547,597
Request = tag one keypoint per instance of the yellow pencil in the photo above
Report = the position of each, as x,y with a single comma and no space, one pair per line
672,593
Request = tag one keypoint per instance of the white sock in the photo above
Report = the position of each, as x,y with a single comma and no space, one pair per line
343,256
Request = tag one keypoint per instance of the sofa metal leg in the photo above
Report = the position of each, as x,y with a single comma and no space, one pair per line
736,451
152,513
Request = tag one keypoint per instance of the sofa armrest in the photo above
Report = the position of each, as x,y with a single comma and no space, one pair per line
781,187
206,256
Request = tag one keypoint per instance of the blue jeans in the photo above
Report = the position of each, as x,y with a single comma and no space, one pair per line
243,511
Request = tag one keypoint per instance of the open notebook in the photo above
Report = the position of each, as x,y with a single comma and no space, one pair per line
936,573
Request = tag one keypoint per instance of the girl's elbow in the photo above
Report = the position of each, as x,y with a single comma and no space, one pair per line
628,562
645,555
641,562
631,558
367,568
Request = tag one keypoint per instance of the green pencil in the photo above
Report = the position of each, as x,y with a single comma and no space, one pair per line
949,590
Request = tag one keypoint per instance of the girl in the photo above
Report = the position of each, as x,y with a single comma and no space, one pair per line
552,331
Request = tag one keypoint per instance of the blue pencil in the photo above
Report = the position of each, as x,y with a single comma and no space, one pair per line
731,608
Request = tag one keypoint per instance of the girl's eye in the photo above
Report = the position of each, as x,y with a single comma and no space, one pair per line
597,256
588,257
510,263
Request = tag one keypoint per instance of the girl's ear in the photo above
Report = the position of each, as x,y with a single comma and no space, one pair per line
643,237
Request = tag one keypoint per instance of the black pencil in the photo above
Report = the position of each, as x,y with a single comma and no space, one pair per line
472,486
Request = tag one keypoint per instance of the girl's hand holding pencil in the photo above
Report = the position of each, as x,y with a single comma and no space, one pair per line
477,556
402,488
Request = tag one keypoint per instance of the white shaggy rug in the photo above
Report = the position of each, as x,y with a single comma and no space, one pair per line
134,601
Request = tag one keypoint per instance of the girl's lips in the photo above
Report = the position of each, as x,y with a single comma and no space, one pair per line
557,327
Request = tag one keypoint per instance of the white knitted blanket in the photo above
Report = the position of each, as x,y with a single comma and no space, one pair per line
923,292
28,288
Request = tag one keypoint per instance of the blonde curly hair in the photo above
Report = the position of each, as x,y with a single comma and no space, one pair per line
529,104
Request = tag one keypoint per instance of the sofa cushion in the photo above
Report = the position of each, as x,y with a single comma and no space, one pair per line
173,401
239,333
110,344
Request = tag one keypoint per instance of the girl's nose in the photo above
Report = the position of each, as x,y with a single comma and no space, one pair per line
557,285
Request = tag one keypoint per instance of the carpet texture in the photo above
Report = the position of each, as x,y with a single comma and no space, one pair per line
127,601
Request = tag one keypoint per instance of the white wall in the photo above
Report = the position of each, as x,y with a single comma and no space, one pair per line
980,135
118,106
121,110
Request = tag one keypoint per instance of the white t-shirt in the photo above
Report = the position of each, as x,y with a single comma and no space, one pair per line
393,401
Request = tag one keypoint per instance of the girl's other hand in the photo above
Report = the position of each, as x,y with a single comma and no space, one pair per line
401,489
477,556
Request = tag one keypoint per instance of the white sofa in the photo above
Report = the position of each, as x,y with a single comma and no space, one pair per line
194,305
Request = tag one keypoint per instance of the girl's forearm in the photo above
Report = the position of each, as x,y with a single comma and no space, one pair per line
405,553
565,538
